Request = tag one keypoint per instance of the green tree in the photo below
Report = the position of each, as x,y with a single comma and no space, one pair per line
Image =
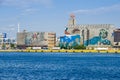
12,46
3,46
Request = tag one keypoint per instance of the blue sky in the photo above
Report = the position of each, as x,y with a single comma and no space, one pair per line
53,15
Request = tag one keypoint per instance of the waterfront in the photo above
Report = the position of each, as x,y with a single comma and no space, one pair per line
62,51
59,66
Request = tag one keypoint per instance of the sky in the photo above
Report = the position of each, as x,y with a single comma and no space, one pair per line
53,15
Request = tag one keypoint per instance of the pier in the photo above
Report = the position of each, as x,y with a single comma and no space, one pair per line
64,51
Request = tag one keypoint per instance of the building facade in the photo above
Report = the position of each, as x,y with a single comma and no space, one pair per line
7,43
91,35
69,41
117,38
36,39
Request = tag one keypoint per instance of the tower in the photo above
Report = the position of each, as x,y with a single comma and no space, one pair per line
72,20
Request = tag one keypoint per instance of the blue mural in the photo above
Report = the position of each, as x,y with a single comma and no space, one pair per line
103,33
105,42
69,41
101,39
96,40
92,41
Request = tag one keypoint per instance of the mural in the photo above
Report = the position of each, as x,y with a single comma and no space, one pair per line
69,41
103,33
101,39
76,31
36,39
66,31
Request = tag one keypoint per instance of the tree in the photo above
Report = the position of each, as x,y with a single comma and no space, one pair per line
12,46
3,46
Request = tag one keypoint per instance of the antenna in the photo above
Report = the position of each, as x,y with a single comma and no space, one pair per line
18,27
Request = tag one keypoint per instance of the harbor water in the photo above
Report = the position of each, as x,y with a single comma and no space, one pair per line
59,66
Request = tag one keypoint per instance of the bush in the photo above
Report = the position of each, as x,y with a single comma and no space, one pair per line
79,47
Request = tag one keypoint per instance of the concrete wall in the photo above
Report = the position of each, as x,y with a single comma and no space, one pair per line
95,34
41,39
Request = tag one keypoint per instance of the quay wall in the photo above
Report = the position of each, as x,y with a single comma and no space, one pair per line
64,51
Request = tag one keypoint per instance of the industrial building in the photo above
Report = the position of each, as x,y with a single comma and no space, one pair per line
7,43
117,38
36,39
91,35
69,41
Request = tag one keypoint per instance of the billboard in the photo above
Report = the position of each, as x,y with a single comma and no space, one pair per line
69,41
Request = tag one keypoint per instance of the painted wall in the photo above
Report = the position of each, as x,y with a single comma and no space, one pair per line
93,34
69,41
101,39
35,39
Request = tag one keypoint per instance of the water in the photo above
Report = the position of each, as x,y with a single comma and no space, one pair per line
59,66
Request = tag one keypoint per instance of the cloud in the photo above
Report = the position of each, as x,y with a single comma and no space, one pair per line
27,7
25,3
100,10
29,11
8,27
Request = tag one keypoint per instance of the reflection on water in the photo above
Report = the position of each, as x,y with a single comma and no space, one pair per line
59,66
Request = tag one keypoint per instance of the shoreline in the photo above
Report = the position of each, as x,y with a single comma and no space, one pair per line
66,51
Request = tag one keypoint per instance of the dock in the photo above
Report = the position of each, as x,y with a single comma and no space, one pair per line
64,51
